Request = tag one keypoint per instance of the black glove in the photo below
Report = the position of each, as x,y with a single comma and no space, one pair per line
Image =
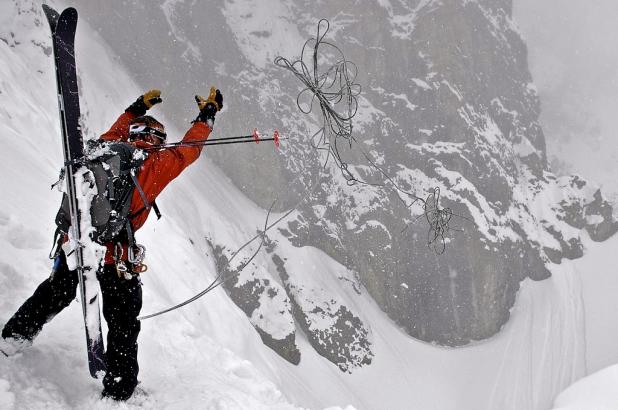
145,102
209,106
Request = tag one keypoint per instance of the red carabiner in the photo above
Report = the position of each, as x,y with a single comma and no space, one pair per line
256,136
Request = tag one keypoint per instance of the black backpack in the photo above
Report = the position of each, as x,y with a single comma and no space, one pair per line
114,167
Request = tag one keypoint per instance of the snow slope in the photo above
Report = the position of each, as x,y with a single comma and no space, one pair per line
595,392
600,284
207,355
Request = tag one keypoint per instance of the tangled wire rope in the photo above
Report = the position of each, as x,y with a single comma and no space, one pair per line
336,91
438,220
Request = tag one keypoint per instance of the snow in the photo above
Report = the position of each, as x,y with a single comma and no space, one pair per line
262,43
595,392
420,83
525,148
402,24
192,52
208,355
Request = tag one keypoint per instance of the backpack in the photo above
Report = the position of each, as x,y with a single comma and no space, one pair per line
114,167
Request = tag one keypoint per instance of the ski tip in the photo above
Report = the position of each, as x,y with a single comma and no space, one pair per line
51,15
70,12
48,9
52,12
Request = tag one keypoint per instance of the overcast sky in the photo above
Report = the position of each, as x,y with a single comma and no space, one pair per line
573,49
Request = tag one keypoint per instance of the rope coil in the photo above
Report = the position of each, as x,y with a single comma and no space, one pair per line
334,89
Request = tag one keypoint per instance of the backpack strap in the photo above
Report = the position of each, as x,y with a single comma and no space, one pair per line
130,235
142,194
155,207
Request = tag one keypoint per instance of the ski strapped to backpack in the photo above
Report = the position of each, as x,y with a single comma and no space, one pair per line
63,27
113,168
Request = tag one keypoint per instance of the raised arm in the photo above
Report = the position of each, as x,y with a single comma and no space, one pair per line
178,158
120,130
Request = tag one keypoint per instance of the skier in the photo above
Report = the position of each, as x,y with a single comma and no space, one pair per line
122,294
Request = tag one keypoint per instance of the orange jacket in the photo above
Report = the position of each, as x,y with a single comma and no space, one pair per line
159,168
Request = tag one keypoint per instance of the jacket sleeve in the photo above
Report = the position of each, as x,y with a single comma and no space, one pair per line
178,158
120,130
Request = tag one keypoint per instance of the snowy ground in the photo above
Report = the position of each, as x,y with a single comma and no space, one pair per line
600,284
595,392
207,355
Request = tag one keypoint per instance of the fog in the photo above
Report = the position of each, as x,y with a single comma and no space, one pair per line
573,59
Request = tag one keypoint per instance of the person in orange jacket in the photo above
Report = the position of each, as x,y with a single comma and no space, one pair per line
122,294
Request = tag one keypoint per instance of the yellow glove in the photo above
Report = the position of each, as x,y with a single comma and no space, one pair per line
209,106
151,98
215,97
145,102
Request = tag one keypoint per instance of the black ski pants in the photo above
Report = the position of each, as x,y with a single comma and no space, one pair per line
122,302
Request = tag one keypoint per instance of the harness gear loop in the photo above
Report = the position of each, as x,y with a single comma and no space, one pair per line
121,269
137,254
118,252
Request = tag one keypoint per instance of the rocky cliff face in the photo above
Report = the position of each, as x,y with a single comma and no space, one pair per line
447,102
